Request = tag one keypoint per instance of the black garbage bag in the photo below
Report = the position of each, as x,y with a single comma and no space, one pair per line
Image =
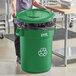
36,26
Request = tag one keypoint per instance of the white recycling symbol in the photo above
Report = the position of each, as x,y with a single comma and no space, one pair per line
42,52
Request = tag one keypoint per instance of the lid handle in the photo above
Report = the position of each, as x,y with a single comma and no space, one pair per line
33,16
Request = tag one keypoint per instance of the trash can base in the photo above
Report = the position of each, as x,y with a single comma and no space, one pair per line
36,71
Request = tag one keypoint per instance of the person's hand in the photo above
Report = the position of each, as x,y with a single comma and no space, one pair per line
14,14
44,8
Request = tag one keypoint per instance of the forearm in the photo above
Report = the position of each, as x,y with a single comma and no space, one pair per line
36,4
13,5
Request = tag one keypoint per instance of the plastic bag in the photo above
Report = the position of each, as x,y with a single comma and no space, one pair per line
36,26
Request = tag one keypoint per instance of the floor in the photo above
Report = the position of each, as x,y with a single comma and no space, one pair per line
9,67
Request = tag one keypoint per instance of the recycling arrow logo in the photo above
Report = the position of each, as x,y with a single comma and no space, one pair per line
42,52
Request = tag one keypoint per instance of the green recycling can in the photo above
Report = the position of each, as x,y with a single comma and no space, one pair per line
36,45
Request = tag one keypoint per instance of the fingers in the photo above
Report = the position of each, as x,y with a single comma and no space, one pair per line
14,14
44,8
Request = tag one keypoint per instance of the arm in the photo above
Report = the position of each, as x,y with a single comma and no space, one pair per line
36,4
13,5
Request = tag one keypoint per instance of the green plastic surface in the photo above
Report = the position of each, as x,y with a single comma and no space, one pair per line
36,50
35,15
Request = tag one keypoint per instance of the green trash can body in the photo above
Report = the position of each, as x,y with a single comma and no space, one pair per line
36,50
35,44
